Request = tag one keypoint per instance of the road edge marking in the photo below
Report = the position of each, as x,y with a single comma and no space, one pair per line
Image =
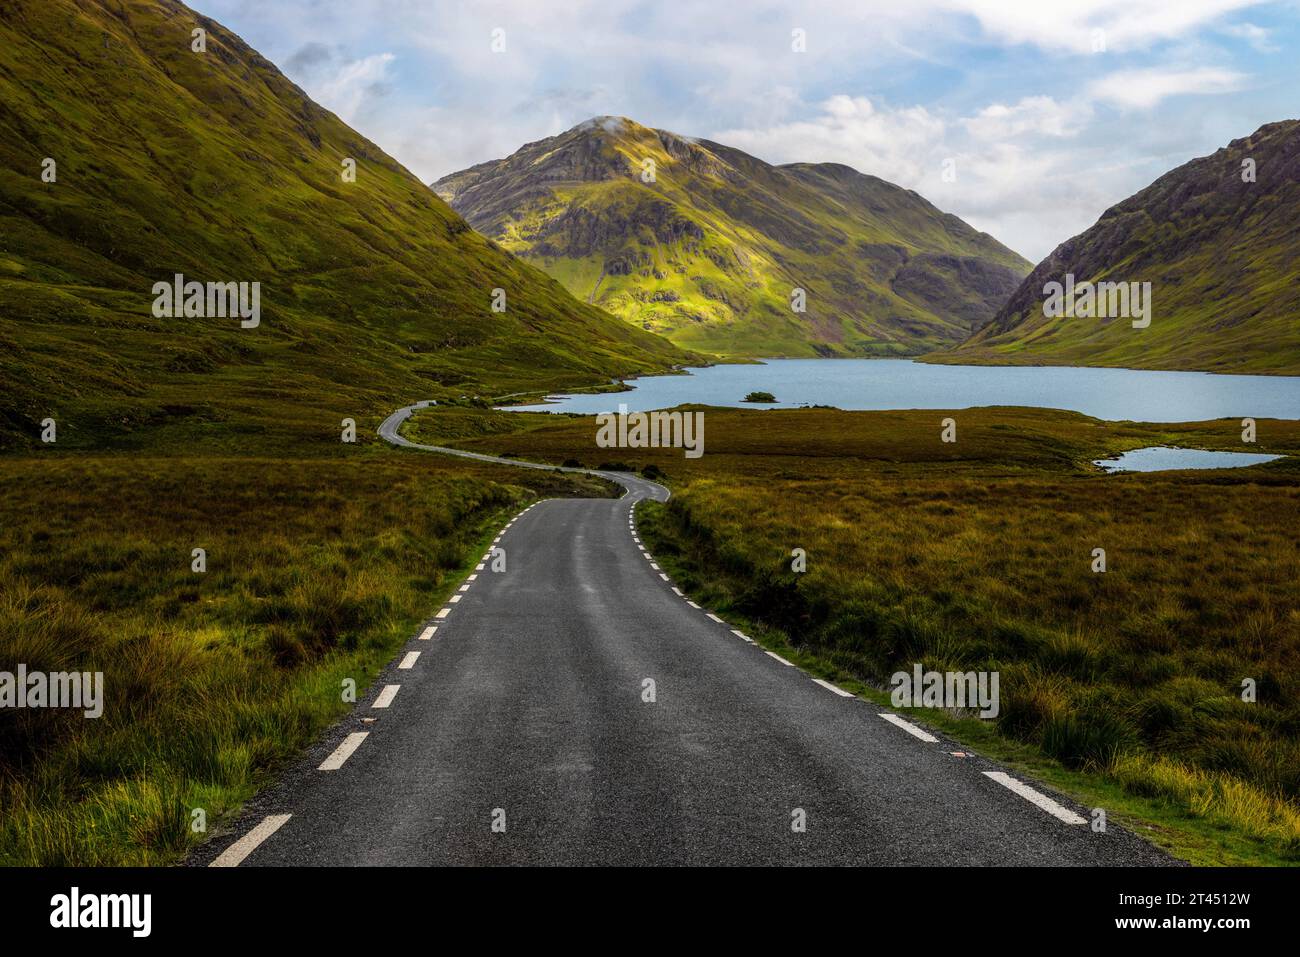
1036,798
343,751
235,854
835,688
910,728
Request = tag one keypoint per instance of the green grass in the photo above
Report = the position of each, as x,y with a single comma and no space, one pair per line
318,570
977,555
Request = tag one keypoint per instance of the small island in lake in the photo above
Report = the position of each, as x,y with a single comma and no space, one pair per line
760,397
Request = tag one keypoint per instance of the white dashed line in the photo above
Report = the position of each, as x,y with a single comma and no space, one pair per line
830,687
714,617
691,603
428,632
742,636
454,599
773,654
465,587
478,567
910,728
386,696
234,855
678,592
663,576
343,751
442,613
409,661
1036,797
473,578
654,566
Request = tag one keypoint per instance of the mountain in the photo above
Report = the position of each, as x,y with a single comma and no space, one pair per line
708,253
1222,255
213,165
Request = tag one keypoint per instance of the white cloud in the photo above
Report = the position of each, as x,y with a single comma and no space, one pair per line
348,87
1126,24
1023,173
1256,36
1143,89
850,130
1033,114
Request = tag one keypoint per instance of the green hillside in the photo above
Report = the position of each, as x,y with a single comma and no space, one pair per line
214,165
708,253
1219,251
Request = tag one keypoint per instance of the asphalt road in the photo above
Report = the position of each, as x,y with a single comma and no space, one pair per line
524,733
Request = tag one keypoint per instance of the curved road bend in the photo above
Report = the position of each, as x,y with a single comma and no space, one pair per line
525,708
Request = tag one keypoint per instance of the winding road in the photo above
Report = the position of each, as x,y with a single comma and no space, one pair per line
576,708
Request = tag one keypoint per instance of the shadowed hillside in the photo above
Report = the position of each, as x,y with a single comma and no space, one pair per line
214,165
1222,255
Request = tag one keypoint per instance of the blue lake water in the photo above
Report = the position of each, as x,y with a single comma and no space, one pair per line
1113,394
1162,458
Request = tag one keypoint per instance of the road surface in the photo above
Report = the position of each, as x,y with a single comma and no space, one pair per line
575,709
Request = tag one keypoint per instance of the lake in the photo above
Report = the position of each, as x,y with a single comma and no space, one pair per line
1113,394
1160,458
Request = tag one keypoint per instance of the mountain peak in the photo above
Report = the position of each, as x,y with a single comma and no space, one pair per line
704,243
616,125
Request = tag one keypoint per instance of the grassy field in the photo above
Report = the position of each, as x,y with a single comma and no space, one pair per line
978,555
317,570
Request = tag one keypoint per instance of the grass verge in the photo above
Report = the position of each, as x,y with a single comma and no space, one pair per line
317,570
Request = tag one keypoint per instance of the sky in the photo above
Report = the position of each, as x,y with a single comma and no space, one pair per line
1026,119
